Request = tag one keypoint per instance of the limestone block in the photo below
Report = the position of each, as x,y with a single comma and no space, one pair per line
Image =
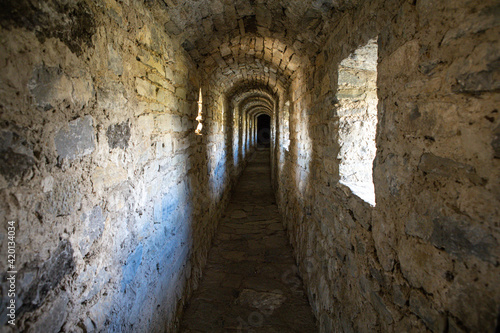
153,62
445,167
77,139
112,96
145,124
93,228
177,123
158,79
163,123
461,237
164,146
62,200
47,184
145,88
108,177
378,303
115,63
383,234
167,98
181,92
49,86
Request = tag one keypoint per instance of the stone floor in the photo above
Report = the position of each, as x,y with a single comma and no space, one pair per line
250,282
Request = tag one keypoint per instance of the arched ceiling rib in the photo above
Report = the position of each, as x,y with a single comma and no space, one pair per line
247,96
257,111
250,41
244,88
255,104
250,71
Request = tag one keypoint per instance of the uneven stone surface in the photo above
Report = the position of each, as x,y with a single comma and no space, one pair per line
103,173
250,282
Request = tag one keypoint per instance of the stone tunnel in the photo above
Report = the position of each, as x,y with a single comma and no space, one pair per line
131,130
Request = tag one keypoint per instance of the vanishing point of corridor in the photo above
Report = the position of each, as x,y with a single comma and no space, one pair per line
250,282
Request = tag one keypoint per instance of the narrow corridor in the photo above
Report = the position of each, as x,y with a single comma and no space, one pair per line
250,282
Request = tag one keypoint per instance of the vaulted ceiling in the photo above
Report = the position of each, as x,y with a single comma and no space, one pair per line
243,43
204,25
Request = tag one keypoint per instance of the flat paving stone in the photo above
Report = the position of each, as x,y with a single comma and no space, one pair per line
250,282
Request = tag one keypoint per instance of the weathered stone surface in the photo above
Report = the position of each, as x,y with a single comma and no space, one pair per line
115,63
62,200
130,268
94,226
73,24
445,167
112,96
421,306
118,135
50,86
478,82
54,319
77,139
461,238
495,143
429,82
46,277
16,157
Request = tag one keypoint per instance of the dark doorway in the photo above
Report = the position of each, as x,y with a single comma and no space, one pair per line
263,131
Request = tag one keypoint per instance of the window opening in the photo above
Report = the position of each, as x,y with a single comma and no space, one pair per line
357,96
199,118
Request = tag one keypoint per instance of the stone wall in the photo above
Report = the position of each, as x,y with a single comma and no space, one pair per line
115,198
426,257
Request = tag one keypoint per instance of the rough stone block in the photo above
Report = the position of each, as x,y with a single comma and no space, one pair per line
495,143
461,238
47,277
15,155
165,206
54,318
145,88
108,177
445,167
112,97
94,226
153,62
478,82
48,85
423,308
163,123
115,63
424,266
164,146
118,135
181,93
62,200
167,98
76,140
145,124
177,124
